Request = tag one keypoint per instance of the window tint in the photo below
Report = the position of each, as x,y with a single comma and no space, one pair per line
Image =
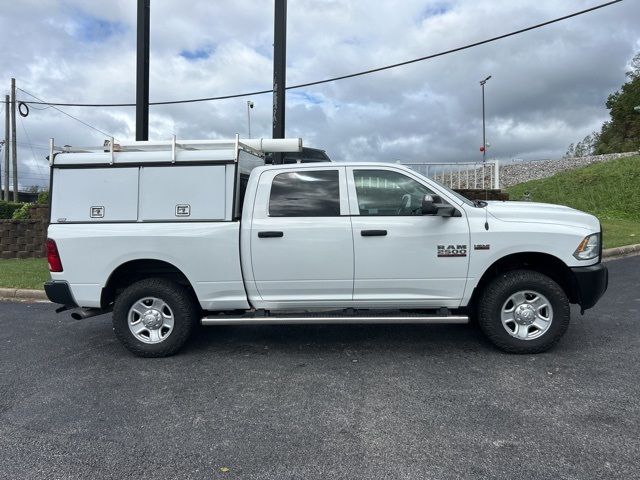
382,192
305,194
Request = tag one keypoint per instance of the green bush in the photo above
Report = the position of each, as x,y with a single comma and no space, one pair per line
22,213
43,198
7,209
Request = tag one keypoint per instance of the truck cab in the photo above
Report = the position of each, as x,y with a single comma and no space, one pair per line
218,237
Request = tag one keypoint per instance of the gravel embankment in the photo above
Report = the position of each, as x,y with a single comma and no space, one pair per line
514,173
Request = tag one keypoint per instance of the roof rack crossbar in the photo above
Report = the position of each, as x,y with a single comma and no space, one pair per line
265,145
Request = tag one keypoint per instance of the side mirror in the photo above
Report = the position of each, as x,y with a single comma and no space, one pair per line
433,205
448,211
429,206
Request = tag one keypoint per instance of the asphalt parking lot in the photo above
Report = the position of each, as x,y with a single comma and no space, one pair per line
280,402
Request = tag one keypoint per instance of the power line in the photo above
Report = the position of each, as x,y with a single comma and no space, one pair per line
63,112
33,177
33,145
35,108
342,77
34,174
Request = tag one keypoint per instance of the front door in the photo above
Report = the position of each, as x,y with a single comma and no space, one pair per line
401,256
301,243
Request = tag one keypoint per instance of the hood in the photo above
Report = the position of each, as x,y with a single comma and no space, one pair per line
531,212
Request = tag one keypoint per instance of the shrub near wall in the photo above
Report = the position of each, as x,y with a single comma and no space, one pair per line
7,209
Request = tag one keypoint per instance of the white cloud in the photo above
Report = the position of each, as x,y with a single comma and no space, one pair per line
548,87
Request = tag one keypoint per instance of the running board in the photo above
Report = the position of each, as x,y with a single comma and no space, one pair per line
302,320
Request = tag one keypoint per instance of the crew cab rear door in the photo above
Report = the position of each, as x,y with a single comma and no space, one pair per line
301,237
401,256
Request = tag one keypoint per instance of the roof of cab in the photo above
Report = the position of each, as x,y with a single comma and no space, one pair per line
325,165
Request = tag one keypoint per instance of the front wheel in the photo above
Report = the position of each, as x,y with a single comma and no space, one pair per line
523,311
154,317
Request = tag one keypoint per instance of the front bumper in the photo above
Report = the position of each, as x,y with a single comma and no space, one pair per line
590,284
59,292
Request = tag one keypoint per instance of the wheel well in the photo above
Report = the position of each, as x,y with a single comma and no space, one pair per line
543,263
135,270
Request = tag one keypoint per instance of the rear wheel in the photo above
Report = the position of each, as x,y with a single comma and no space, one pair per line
523,312
154,317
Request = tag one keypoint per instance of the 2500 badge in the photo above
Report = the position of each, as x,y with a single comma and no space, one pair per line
452,250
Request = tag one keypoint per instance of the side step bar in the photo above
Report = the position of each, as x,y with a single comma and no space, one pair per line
302,320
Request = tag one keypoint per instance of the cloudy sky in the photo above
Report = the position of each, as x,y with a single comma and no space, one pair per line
548,87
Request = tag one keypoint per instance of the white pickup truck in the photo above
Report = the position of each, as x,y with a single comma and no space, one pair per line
167,235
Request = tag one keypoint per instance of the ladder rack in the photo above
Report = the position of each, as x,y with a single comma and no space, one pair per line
258,146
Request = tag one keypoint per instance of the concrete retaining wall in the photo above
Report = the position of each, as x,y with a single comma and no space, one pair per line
477,194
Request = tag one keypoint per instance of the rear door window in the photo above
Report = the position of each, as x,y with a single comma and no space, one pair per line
306,193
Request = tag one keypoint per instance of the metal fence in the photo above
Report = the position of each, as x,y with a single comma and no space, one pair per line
463,175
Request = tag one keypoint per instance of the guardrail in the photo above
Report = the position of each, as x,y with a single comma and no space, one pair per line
462,175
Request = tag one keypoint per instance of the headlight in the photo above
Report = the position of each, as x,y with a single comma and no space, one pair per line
589,247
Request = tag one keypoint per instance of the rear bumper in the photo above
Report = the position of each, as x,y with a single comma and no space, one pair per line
590,283
59,292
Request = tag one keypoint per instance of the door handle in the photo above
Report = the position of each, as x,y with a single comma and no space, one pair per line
270,234
373,233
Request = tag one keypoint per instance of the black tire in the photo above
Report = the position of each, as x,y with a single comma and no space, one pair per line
183,307
495,295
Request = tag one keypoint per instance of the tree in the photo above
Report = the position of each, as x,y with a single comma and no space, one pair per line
622,132
571,151
585,147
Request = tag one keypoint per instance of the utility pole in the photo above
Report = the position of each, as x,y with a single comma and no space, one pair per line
7,121
279,69
14,149
2,147
142,71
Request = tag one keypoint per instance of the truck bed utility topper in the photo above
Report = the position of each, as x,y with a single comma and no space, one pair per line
130,182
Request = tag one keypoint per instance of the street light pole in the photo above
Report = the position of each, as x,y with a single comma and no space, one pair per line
249,107
484,137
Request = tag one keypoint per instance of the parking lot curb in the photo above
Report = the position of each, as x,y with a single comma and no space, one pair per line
22,294
617,252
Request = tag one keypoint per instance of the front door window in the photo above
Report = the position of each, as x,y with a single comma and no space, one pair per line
386,193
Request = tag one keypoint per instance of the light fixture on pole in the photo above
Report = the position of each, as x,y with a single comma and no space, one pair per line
249,107
484,138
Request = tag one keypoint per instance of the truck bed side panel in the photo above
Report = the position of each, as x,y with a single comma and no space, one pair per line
206,252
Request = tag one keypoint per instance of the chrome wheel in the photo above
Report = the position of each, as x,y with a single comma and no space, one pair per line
150,320
527,315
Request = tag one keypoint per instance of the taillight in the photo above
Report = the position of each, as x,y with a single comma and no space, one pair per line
55,264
